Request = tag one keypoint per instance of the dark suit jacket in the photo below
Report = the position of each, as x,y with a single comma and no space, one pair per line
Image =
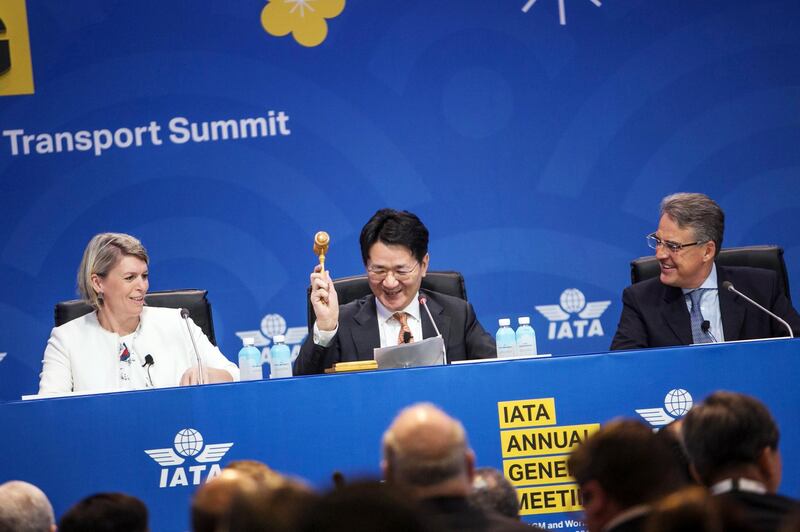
458,515
764,512
358,333
655,315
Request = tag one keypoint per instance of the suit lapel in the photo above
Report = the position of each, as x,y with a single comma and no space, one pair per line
366,335
731,311
676,315
442,320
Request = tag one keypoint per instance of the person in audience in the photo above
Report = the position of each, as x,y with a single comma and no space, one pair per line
212,501
394,248
106,512
622,470
25,508
692,508
270,508
732,441
105,350
492,491
426,453
672,435
366,506
688,303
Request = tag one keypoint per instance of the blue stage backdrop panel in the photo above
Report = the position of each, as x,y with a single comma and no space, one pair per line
534,141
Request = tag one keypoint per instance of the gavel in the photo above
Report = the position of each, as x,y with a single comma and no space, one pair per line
321,242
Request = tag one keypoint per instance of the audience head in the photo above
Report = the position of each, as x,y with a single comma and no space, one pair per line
622,465
733,435
103,253
212,501
364,507
426,452
672,434
24,508
258,471
268,509
106,512
694,508
491,491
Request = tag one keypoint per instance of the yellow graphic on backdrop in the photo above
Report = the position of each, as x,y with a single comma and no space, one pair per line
16,71
304,19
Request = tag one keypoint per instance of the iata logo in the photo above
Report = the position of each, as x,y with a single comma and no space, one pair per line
677,403
188,444
572,301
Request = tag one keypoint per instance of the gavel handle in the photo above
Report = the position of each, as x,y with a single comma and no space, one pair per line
322,262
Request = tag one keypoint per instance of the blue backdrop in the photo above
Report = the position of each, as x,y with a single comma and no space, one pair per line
534,142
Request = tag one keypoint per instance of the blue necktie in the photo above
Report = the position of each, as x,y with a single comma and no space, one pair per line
698,336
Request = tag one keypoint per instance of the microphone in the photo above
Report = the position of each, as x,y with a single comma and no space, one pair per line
200,373
705,326
148,361
423,301
406,337
727,285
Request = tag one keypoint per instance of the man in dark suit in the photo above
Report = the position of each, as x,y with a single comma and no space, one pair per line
394,248
687,303
622,470
732,442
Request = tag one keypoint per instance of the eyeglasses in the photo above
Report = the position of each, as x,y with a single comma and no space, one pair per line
401,274
654,242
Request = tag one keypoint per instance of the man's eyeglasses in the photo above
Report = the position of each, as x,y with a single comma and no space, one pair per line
654,242
401,274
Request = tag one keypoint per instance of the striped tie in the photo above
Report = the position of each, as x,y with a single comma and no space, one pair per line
698,336
402,318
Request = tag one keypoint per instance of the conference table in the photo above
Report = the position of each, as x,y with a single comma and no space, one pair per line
521,416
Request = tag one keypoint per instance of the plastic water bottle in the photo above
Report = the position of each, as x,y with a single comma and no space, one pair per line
506,339
280,358
250,361
526,337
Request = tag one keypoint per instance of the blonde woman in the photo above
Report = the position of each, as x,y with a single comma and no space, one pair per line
106,350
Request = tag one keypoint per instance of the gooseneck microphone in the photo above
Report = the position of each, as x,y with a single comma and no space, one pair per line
705,326
200,373
423,301
727,285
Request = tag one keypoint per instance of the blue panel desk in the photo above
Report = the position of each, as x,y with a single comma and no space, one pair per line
311,426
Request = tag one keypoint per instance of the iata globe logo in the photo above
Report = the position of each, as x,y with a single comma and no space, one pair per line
677,404
188,444
272,325
562,323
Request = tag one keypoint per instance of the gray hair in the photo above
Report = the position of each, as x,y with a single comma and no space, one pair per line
103,252
699,213
24,508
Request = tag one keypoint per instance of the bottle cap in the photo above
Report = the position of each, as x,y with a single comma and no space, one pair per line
524,320
279,338
248,340
504,322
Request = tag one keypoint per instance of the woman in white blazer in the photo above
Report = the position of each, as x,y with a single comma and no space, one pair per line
107,350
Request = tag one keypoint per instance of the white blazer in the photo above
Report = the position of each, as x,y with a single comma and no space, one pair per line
81,356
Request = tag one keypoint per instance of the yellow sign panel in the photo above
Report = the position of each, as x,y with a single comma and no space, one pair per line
16,70
549,500
540,442
537,471
527,413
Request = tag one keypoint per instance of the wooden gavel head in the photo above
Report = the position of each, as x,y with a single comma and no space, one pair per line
321,242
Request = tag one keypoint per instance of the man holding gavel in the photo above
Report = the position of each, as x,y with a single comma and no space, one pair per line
394,248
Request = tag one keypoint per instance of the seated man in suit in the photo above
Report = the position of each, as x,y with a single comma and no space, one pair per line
732,442
394,248
687,304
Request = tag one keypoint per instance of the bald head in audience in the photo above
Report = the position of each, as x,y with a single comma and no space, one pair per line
426,452
25,508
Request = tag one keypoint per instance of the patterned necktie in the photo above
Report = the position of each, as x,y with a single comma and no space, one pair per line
402,317
698,336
